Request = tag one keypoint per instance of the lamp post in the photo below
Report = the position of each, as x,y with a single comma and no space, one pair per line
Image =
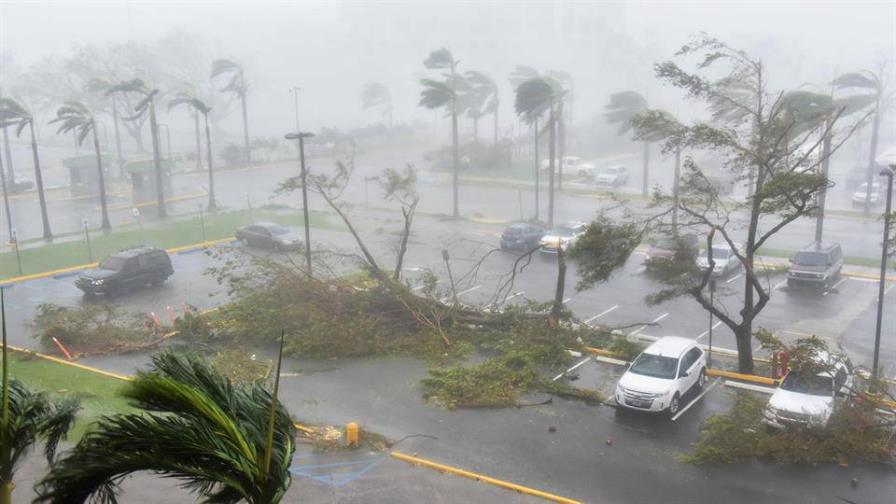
712,295
202,223
295,95
886,172
301,138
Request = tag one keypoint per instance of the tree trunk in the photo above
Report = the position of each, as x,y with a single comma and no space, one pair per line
3,181
455,156
105,226
869,179
156,161
552,146
676,182
246,129
212,206
198,142
408,215
822,194
646,161
117,139
562,146
744,337
496,124
38,178
557,307
537,172
11,175
6,489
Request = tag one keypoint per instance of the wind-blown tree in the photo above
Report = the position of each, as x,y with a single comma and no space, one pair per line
99,86
656,125
534,97
521,74
445,94
376,94
785,166
873,84
199,107
146,106
238,86
227,442
564,113
75,116
622,108
25,418
483,100
13,114
9,174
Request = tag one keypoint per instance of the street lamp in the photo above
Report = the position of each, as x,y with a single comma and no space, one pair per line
301,138
886,172
295,94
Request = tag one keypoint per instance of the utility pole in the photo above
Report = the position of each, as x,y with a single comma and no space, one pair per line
886,172
301,138
295,95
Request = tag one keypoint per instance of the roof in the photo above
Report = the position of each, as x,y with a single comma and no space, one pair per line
818,247
88,161
671,346
144,166
135,251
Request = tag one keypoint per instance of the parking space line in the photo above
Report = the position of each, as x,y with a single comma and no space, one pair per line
704,333
735,277
561,375
860,279
654,321
515,294
834,287
418,287
694,401
779,285
566,300
601,314
888,289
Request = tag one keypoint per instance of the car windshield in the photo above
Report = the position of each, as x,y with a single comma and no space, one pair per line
511,231
278,230
864,187
719,253
819,385
113,263
561,231
656,366
810,259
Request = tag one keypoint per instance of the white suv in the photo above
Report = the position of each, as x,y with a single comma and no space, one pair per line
664,372
808,401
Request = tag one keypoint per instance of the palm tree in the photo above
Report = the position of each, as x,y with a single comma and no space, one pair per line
375,94
534,97
519,75
484,100
622,108
13,113
100,86
439,94
146,105
238,86
656,125
564,109
26,417
75,116
227,442
9,174
199,107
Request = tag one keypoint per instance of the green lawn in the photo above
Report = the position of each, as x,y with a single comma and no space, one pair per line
98,393
171,234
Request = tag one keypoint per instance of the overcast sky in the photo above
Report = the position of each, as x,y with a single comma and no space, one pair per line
331,49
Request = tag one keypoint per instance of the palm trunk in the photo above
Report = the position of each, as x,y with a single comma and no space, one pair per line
117,139
246,129
646,168
198,142
11,176
105,226
38,177
3,181
675,190
6,492
822,194
495,113
212,206
537,174
157,163
557,307
869,179
561,147
455,156
552,146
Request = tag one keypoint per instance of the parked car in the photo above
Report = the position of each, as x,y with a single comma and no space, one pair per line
611,176
816,264
861,194
521,236
684,247
21,184
856,176
562,237
724,258
808,400
661,375
268,235
571,164
128,269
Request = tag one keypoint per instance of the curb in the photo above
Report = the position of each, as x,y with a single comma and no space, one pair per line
76,365
479,477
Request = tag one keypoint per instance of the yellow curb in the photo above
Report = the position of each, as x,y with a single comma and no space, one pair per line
57,360
153,203
487,220
601,351
870,277
741,377
306,430
69,269
479,477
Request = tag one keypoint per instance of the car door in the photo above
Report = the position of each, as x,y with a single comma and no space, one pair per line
130,273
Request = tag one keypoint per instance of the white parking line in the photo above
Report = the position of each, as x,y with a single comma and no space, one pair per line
586,359
704,333
779,285
834,287
888,289
566,300
735,277
693,402
654,321
601,314
859,279
515,294
418,287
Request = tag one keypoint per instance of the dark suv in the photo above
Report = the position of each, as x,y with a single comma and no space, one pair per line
521,236
127,269
816,264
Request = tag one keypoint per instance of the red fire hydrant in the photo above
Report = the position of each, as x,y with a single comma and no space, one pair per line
780,364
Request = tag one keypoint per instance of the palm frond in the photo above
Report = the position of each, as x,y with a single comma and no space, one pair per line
521,74
440,58
436,94
222,66
534,97
131,86
857,80
622,108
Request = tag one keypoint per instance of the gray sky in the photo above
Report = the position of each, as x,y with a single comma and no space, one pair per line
332,48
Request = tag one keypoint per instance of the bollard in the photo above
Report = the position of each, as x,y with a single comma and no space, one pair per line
171,314
352,434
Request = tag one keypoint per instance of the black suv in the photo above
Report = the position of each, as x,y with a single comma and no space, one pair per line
816,264
127,269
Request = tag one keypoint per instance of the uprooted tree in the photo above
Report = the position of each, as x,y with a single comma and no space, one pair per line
770,138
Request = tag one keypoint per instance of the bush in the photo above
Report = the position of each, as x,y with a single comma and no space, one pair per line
94,329
240,367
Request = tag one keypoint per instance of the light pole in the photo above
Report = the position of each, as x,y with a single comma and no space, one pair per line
886,172
202,223
712,295
167,139
301,138
450,276
295,95
6,203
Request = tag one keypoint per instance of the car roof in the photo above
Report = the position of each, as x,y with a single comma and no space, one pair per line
520,225
264,224
819,247
669,346
135,251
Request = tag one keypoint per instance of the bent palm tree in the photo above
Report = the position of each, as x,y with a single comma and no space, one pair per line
238,86
484,100
438,94
216,436
199,107
146,105
534,97
656,125
26,417
75,116
622,108
376,94
12,113
100,85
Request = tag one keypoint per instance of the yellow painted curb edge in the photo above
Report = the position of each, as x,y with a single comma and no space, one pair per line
741,377
479,477
57,360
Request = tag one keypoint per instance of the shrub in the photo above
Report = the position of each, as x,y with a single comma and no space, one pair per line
94,328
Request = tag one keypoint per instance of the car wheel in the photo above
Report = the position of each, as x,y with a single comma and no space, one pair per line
673,406
701,380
